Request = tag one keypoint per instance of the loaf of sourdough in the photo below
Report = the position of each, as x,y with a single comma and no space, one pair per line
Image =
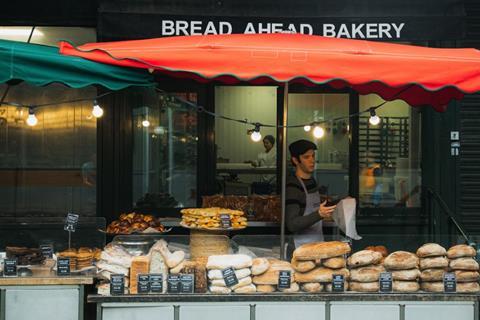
401,260
321,250
460,251
366,274
266,288
335,263
364,286
364,258
271,275
431,250
303,266
259,266
432,274
320,274
294,287
380,249
466,276
406,275
236,261
405,286
432,286
464,264
312,287
468,287
433,262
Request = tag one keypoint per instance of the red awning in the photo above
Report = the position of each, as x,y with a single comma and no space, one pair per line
418,75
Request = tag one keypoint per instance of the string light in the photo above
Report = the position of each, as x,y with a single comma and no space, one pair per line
146,123
318,132
255,134
374,119
97,111
32,119
307,128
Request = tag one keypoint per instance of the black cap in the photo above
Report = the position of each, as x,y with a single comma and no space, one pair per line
299,147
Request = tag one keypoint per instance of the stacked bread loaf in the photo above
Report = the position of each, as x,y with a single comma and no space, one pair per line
404,268
433,264
266,273
316,263
365,268
241,264
463,264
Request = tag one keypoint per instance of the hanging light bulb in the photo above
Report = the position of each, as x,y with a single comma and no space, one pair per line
255,134
307,128
97,111
374,119
318,132
32,119
146,123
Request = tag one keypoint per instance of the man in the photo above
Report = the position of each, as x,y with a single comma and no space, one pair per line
304,209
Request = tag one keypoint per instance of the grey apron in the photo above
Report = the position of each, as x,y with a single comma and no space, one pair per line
313,233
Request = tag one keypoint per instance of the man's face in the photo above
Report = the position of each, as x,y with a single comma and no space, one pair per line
267,144
306,161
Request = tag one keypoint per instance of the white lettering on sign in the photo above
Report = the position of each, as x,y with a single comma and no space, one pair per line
191,28
363,30
304,28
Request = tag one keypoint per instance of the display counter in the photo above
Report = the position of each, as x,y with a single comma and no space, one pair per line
278,306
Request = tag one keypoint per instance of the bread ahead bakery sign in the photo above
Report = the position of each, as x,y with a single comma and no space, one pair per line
358,28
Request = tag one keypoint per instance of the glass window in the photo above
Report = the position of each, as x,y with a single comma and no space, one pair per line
49,35
245,166
389,155
165,151
49,168
332,156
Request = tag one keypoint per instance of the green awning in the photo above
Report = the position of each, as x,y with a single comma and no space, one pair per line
40,65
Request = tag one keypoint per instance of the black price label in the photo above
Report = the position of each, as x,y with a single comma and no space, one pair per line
143,283
187,283
229,277
10,267
449,282
386,282
47,251
63,266
117,284
225,220
284,279
71,222
156,283
173,283
338,283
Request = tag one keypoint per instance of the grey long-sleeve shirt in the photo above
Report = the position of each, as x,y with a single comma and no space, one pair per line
296,202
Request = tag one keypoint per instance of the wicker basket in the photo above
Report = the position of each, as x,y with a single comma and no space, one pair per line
205,243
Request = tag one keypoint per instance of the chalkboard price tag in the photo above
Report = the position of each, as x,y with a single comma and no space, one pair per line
187,283
47,251
156,283
338,283
225,220
173,283
63,266
10,267
117,284
284,279
143,283
449,282
71,222
386,282
229,277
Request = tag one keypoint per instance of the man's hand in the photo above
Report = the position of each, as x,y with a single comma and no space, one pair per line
324,211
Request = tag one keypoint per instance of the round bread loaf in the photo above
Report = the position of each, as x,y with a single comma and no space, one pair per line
432,286
466,276
364,258
303,266
366,274
321,250
320,274
259,266
431,250
364,286
468,287
294,287
380,249
266,288
405,286
464,264
433,262
335,263
401,260
312,287
406,275
432,274
461,250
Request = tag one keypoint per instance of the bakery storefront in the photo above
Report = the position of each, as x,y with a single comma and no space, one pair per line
155,155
